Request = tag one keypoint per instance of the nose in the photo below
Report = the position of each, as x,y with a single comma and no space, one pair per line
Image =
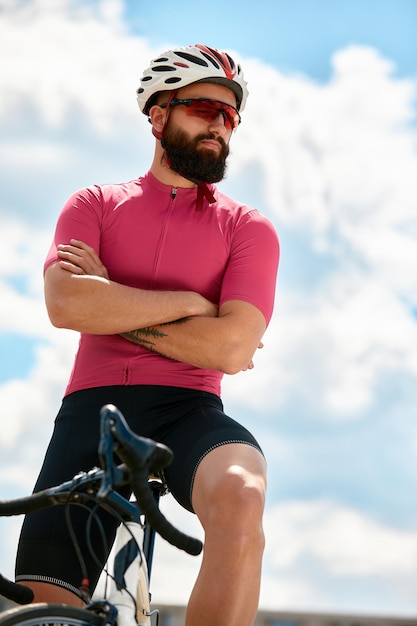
218,123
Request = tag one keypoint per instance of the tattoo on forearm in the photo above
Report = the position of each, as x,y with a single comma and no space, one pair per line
146,337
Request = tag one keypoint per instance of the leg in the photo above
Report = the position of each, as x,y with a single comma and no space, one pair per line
228,497
45,592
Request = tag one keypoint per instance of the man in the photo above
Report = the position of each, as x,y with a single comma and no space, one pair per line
171,284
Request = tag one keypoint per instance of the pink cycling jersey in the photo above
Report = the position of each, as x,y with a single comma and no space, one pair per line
150,236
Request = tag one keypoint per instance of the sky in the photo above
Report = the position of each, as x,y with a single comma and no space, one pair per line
327,150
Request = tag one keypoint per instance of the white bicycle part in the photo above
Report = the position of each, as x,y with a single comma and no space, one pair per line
129,577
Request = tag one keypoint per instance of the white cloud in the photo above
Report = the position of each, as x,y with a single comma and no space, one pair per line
22,155
69,56
31,404
321,546
344,541
332,153
328,348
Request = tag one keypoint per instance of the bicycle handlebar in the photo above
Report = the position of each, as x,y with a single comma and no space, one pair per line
141,457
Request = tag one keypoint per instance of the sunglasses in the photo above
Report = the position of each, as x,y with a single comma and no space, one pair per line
209,110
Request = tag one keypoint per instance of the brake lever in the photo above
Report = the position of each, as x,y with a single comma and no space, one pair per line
113,474
137,452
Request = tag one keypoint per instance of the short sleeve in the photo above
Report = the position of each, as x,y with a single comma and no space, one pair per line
251,272
81,219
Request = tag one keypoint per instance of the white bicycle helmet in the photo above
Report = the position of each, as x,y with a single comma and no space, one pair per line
194,64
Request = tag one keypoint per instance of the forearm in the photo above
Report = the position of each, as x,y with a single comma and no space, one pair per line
96,305
225,343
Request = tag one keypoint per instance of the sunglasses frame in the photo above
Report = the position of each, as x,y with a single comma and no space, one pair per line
231,121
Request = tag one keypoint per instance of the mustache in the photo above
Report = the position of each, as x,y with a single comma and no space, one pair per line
211,137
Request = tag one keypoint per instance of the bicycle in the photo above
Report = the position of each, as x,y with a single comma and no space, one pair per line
126,601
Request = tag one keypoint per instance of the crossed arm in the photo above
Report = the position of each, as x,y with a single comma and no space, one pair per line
181,325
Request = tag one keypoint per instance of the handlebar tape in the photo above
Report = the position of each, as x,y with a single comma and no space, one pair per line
28,504
15,592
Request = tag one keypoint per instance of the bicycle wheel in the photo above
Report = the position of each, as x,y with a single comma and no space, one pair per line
50,615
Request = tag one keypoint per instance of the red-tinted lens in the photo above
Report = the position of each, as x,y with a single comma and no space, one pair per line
209,110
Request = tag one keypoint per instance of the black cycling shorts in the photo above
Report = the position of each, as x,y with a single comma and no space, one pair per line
190,422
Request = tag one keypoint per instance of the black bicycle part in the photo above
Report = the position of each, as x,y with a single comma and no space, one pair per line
15,592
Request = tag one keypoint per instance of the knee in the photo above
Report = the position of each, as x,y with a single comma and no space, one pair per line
229,495
234,516
238,501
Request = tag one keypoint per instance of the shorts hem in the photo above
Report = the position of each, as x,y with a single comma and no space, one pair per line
217,445
48,579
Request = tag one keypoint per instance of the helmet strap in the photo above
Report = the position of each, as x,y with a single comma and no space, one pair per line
203,192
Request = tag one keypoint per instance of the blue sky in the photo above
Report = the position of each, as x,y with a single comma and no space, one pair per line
327,150
296,35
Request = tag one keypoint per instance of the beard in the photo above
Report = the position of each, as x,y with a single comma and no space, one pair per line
189,161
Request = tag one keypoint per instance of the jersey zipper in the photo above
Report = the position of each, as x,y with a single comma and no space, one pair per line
164,230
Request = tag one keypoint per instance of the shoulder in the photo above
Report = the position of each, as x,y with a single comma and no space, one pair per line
242,215
118,192
103,196
108,191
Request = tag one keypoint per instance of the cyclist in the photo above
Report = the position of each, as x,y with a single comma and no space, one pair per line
171,284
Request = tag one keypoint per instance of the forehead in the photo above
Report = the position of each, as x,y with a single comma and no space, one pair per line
208,90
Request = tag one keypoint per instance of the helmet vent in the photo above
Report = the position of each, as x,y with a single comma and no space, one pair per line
212,61
191,57
172,80
163,68
232,63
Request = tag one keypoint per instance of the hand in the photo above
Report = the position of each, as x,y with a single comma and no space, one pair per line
251,364
79,258
204,307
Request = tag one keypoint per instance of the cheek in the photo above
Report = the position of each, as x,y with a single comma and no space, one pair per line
186,123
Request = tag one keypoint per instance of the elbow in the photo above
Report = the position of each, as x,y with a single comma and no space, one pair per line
59,297
234,358
59,312
57,317
233,367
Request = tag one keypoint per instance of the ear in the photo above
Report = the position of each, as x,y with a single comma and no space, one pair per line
157,117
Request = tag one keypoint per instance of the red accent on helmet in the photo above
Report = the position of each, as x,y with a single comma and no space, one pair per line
226,62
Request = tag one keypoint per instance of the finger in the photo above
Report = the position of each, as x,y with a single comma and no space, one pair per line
78,257
82,255
81,245
66,255
77,251
90,255
70,267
